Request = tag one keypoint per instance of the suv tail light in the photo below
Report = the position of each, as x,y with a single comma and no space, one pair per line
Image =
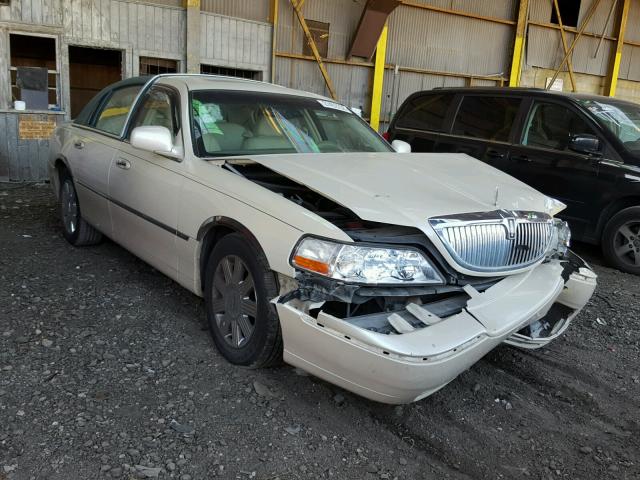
386,136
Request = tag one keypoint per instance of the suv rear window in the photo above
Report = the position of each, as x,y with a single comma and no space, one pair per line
489,118
425,112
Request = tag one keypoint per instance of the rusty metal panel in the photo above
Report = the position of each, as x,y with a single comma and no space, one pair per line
370,26
257,10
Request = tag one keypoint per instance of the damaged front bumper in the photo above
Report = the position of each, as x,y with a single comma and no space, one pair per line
428,347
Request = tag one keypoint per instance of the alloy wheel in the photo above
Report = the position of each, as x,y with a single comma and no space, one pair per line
627,243
69,203
234,301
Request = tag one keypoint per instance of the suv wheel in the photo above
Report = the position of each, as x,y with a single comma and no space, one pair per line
75,228
621,240
244,323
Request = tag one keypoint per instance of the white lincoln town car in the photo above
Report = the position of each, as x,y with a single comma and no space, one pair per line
311,239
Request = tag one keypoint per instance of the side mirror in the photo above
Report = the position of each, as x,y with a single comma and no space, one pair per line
400,146
153,139
584,143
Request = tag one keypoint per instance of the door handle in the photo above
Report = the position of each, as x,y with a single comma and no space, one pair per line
495,154
79,144
521,158
124,164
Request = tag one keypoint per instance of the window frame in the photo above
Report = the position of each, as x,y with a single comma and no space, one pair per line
102,104
174,98
57,72
605,147
457,104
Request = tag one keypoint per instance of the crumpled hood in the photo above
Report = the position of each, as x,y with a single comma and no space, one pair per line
408,189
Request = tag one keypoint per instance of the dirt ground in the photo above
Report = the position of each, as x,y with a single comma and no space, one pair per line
107,371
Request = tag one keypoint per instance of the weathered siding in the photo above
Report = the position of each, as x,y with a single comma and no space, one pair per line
20,159
257,10
237,43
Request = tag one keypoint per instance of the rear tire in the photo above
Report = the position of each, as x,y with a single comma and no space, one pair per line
621,240
238,288
74,228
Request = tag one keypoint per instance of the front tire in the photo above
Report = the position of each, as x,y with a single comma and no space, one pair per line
243,322
621,240
75,229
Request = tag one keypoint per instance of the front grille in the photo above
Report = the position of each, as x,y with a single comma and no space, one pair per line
495,241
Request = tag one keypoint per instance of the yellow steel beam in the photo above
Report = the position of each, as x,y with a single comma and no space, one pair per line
518,44
274,21
296,8
378,79
612,80
564,45
586,21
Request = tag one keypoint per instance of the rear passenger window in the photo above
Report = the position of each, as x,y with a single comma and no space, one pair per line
425,112
489,118
114,113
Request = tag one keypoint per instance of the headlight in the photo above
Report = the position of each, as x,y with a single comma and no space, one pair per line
364,264
560,238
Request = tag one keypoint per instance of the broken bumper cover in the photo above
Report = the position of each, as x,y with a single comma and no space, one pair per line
402,368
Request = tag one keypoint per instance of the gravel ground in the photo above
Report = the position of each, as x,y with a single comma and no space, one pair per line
107,371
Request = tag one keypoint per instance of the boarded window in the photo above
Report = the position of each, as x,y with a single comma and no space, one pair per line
490,118
230,72
569,12
426,112
156,66
34,52
4,3
320,33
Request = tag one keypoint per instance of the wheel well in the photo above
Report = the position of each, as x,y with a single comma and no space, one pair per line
210,239
212,233
613,208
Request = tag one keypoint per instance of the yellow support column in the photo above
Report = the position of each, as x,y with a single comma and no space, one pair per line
378,79
612,82
518,44
274,22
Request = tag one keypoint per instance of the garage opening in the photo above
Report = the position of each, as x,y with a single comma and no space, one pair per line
90,70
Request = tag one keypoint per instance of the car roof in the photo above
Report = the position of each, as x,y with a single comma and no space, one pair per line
527,91
219,82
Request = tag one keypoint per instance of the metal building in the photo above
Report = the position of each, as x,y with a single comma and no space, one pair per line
369,54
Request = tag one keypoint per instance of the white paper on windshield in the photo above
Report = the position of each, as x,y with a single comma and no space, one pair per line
334,106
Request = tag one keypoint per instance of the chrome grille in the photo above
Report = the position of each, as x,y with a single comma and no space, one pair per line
495,241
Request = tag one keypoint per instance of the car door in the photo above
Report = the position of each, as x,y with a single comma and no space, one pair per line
483,128
542,158
421,120
144,186
93,146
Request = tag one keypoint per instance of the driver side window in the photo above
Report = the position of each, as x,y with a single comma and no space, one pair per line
551,126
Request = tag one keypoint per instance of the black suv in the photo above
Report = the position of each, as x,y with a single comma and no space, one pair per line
583,150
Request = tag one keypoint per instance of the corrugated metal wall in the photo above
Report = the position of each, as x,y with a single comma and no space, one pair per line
237,43
544,47
257,10
352,83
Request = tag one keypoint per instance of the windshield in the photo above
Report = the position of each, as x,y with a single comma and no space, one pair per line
621,118
227,123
